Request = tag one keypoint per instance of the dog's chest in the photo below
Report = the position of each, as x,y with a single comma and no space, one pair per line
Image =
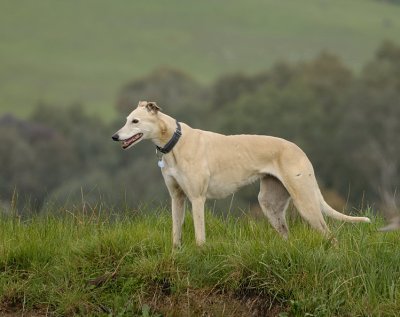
174,172
170,171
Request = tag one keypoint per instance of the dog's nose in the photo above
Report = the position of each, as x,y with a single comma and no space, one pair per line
115,137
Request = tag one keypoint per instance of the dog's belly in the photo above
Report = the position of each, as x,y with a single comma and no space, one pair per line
221,187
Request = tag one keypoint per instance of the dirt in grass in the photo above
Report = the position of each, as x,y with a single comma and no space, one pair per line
11,306
203,302
194,302
160,300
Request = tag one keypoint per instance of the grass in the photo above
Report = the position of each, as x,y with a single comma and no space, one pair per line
72,51
124,265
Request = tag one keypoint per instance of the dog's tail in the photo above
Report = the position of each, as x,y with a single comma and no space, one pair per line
329,211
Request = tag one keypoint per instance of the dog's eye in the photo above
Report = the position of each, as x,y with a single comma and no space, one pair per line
135,121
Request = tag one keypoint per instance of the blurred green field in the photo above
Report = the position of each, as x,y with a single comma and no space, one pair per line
83,52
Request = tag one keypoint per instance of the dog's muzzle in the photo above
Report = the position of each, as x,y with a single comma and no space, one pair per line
129,141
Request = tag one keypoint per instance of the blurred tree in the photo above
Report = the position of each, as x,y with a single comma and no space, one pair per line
33,158
89,135
372,125
384,71
229,88
180,95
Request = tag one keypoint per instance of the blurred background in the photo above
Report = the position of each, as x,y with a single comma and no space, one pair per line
324,74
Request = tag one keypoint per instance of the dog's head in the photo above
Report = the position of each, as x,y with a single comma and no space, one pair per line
140,124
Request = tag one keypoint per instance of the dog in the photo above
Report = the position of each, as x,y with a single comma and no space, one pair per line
198,164
394,224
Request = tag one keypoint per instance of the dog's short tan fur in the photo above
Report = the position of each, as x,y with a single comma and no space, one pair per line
205,165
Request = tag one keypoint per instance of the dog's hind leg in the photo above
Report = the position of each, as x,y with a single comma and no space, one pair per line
274,199
296,173
307,201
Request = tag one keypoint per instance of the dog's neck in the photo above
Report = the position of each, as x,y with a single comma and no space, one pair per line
166,129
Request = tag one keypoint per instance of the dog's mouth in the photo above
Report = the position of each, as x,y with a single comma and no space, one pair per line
128,142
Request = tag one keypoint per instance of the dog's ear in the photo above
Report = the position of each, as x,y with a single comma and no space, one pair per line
152,107
142,103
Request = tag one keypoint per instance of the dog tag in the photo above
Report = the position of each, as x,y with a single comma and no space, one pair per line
161,163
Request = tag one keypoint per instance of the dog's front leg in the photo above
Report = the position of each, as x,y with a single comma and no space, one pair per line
198,219
178,209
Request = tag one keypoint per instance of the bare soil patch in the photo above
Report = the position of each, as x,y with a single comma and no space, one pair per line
205,302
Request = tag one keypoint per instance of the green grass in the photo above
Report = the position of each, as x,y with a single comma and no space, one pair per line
124,265
72,51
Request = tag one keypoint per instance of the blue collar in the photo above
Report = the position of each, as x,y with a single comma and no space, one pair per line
172,142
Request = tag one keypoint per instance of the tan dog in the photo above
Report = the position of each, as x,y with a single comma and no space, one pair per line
200,164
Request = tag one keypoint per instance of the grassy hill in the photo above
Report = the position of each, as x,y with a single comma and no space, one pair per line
72,51
86,264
